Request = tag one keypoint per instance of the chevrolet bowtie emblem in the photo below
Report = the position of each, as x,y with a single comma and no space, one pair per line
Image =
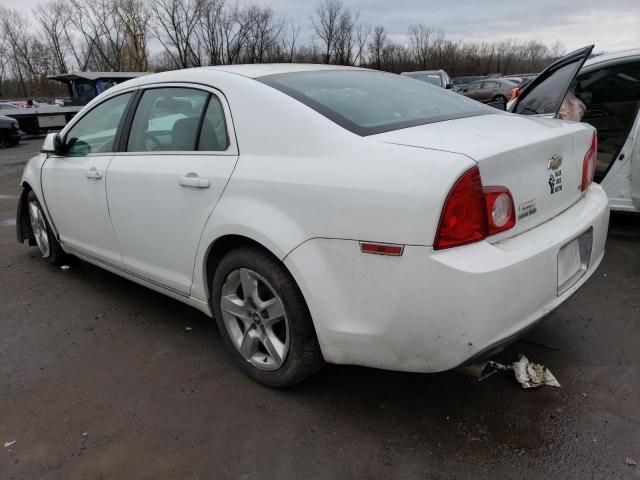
554,162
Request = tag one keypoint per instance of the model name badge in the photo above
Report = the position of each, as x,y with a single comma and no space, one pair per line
527,208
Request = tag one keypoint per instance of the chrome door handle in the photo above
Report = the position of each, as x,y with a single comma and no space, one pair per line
94,173
194,181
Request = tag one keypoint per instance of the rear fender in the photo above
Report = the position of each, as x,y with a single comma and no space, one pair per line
246,217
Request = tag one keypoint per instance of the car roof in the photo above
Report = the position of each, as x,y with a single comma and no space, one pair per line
259,70
425,71
630,54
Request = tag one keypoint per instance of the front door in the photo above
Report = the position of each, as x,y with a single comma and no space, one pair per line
73,184
162,189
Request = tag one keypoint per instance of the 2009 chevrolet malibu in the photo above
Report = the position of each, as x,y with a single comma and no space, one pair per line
324,214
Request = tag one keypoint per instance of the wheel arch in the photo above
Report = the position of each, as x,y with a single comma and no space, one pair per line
222,245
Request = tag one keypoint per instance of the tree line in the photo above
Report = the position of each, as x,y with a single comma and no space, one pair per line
61,36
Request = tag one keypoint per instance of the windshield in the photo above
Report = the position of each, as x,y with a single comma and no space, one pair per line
369,102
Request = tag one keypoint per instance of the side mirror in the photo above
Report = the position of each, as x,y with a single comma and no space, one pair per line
53,143
449,86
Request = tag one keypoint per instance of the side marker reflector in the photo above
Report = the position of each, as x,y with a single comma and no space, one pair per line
382,248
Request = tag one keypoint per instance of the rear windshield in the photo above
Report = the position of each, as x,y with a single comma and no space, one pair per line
370,102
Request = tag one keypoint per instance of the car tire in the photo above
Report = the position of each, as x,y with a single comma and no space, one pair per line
43,235
499,98
275,345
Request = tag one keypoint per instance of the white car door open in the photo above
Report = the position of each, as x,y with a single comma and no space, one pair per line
162,190
73,184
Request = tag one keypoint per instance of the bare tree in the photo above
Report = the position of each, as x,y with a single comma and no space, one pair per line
54,19
14,28
420,40
134,17
377,45
289,38
263,32
209,31
174,23
363,32
326,25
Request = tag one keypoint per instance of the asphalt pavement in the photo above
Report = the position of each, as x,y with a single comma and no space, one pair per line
100,378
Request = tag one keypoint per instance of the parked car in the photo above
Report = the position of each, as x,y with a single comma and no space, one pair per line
10,133
439,78
324,214
489,90
609,87
460,82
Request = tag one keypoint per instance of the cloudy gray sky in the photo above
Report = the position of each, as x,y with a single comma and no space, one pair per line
610,24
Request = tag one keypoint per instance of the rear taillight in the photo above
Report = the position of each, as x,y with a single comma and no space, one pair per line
500,211
589,163
471,212
463,218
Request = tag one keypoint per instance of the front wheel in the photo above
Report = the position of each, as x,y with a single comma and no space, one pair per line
45,239
263,318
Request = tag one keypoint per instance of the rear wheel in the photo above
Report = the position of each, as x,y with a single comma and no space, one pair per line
499,98
263,318
45,239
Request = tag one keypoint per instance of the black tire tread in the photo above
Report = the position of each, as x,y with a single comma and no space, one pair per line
304,357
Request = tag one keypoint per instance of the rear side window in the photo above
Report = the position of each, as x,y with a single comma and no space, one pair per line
95,132
167,119
369,102
213,135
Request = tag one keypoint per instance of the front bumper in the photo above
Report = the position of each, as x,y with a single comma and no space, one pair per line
428,311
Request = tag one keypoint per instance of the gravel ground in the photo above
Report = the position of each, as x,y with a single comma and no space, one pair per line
99,379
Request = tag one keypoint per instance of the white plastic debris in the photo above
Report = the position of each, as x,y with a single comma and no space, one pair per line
188,329
65,267
528,374
8,444
531,375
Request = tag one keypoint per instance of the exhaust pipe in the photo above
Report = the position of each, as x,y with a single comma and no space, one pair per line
479,370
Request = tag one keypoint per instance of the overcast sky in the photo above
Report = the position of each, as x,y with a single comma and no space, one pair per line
610,24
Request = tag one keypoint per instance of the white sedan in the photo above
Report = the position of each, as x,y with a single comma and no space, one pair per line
324,214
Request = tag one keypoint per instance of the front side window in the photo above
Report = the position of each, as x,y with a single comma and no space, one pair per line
473,86
95,132
369,102
167,119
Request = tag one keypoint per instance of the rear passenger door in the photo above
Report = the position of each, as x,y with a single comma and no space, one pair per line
178,152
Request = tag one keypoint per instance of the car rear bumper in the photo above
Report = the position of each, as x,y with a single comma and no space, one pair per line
428,311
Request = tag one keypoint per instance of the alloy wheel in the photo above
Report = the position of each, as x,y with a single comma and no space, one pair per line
255,319
39,228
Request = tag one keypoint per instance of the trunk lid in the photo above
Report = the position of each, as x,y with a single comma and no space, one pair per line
539,160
